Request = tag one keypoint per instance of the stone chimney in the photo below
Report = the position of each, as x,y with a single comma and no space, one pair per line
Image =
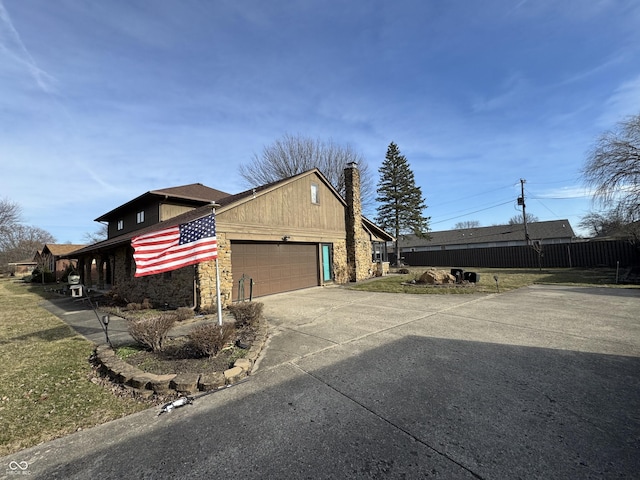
358,244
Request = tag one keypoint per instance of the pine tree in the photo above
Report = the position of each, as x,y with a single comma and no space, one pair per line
401,202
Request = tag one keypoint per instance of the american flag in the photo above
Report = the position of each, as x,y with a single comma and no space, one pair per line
175,247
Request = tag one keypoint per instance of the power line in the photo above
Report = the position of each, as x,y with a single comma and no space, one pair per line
471,213
470,196
538,200
462,211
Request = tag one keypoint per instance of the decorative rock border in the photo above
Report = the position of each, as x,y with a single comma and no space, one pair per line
146,384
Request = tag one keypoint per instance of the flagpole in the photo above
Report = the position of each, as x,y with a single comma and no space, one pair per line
218,304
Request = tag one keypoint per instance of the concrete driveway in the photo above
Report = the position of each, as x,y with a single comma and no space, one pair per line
542,382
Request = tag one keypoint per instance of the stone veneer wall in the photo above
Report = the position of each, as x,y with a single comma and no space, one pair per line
174,288
359,248
206,277
340,263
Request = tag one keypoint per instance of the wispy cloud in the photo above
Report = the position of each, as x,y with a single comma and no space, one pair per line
566,193
624,101
12,45
513,87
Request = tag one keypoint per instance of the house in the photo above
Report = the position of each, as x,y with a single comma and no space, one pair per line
540,233
22,268
287,235
54,258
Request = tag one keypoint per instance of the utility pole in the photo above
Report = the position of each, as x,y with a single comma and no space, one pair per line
524,213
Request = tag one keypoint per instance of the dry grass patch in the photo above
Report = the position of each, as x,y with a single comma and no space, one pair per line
45,380
508,279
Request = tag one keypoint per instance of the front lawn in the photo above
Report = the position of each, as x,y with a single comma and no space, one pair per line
46,388
508,279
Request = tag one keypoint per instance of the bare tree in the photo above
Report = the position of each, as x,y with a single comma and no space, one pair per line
292,155
21,242
99,235
517,219
467,224
603,224
613,168
10,213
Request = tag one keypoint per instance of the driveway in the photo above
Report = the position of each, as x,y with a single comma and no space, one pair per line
542,382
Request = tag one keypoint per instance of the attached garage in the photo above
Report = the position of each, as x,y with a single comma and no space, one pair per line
274,267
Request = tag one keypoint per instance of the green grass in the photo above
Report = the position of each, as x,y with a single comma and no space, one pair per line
508,279
45,378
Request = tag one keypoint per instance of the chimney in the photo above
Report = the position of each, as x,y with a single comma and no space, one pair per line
358,248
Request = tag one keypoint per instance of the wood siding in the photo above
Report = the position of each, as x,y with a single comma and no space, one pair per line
130,221
286,210
168,210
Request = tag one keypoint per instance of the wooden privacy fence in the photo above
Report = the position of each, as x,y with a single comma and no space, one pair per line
582,254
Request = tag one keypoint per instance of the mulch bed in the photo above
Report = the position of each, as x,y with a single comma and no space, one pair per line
178,357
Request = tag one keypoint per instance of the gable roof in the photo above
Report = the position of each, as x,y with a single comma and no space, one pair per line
226,202
60,249
195,192
497,233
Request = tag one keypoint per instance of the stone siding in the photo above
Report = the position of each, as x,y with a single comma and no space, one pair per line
340,264
174,288
359,248
206,277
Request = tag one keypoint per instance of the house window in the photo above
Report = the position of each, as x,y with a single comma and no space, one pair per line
120,224
314,194
140,217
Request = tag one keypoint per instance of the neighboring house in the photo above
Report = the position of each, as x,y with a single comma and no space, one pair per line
55,257
291,234
540,233
22,268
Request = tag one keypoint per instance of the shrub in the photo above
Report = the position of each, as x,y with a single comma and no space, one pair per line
207,340
183,313
69,269
151,332
37,274
246,313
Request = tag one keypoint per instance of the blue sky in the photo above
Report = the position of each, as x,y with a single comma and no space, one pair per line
103,101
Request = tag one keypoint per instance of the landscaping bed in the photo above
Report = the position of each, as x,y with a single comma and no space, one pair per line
178,356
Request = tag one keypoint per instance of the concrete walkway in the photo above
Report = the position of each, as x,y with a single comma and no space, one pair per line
80,315
542,382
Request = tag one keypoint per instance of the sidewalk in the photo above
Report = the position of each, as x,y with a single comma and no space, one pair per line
79,315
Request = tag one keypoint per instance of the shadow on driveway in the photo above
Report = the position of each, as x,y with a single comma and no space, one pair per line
411,408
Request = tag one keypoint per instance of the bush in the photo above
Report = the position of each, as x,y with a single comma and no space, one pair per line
69,269
246,313
207,340
145,305
36,276
183,313
151,332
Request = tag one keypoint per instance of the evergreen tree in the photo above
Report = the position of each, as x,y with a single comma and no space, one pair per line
401,202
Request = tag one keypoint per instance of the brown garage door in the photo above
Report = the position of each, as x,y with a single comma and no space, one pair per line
274,267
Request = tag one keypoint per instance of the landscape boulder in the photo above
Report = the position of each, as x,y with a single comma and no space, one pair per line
437,277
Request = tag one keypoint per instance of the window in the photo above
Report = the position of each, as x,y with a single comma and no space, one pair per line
314,194
140,217
120,224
